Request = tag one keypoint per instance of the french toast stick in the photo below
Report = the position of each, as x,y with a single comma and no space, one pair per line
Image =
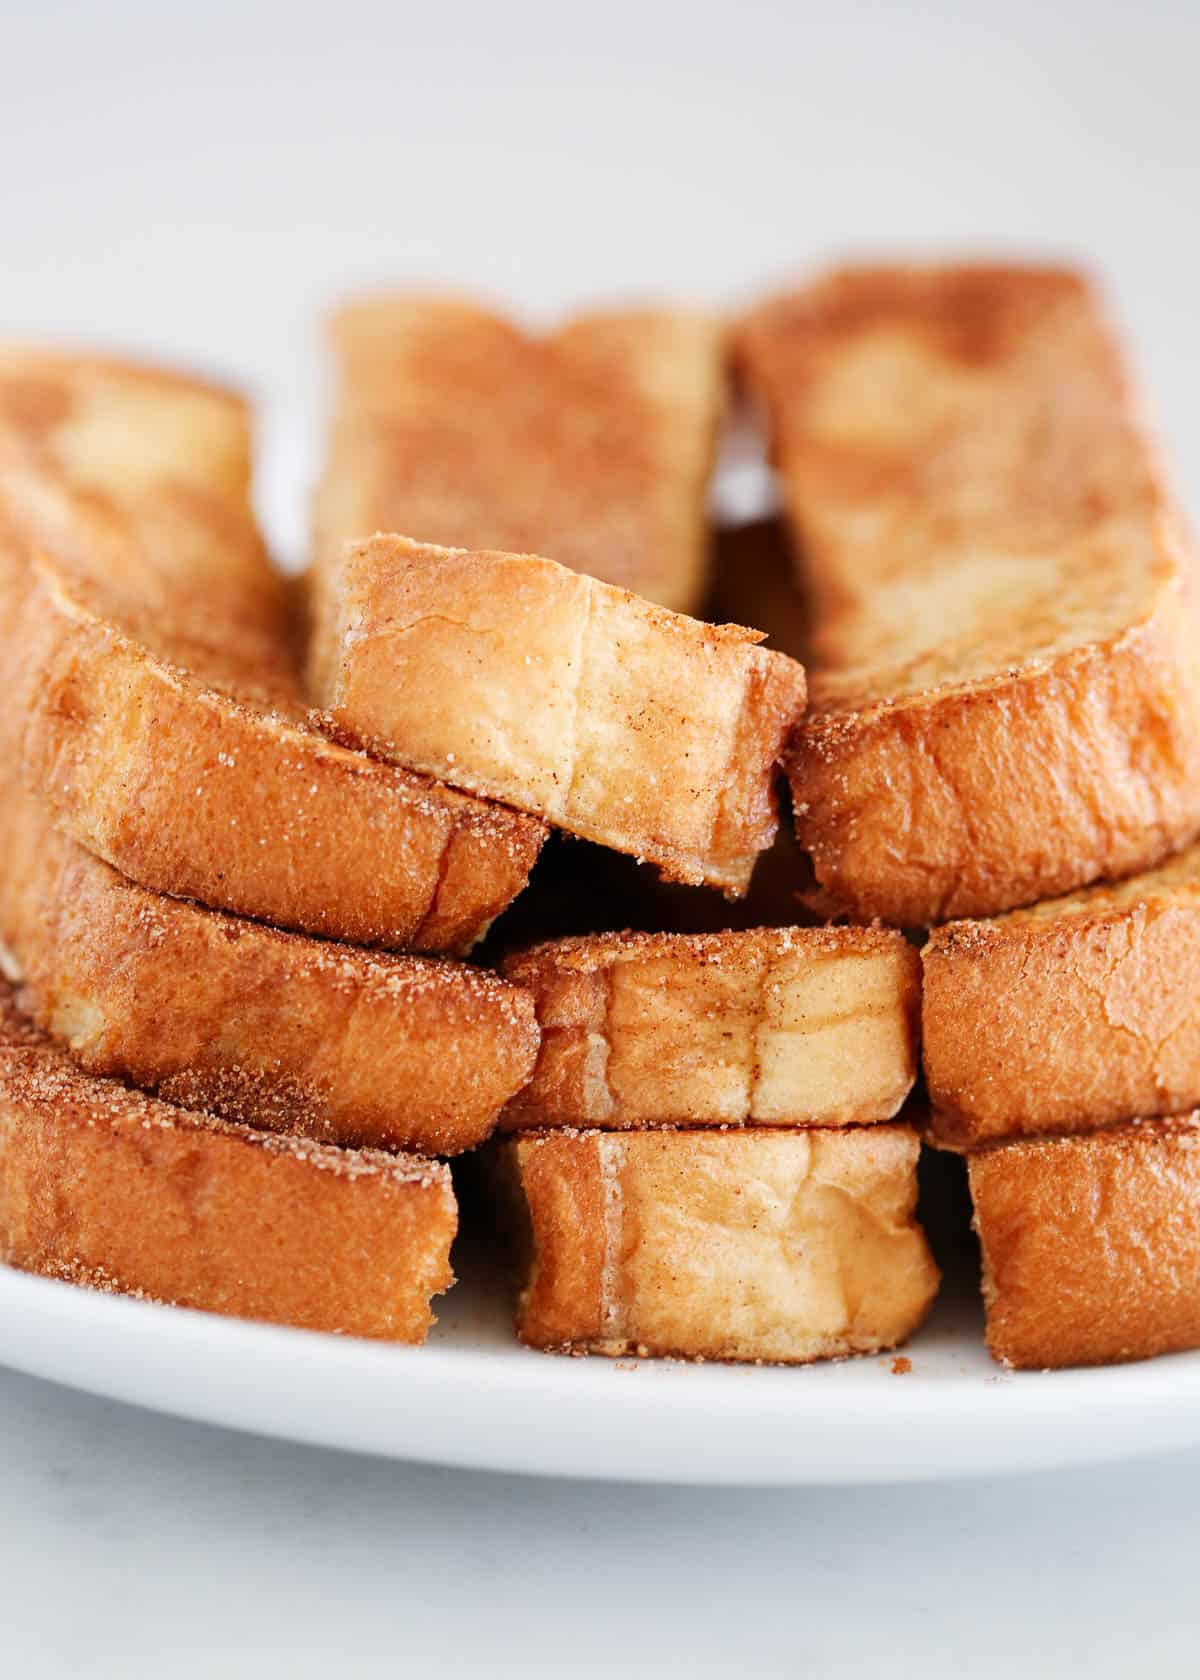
749,1245
592,444
773,1027
516,679
1091,1245
153,682
115,1190
219,1013
1069,1015
1005,682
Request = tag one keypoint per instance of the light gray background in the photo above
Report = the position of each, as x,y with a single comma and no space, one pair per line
200,181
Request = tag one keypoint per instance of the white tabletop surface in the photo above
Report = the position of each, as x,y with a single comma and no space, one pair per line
132,1545
198,181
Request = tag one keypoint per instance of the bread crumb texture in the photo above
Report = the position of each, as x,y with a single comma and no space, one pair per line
1091,1245
752,1245
592,444
104,1185
782,1026
1005,681
149,652
516,679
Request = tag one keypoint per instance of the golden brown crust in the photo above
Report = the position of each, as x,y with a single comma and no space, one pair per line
1005,701
1091,1245
140,611
592,444
106,1187
775,1027
753,1245
274,1029
1068,1016
517,679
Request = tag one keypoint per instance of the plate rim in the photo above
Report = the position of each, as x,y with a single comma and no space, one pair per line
680,1424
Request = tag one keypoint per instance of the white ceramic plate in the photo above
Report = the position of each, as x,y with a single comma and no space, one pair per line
473,1398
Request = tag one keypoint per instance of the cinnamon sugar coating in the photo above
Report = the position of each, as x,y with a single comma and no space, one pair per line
1069,1015
1091,1245
1006,681
513,677
276,1029
591,444
103,1186
148,650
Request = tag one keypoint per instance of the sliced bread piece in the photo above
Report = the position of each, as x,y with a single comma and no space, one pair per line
753,1245
1006,690
1067,1016
514,678
776,1027
592,444
153,689
1091,1245
105,1187
218,1013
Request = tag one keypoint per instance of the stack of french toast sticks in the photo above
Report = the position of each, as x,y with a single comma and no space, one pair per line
262,835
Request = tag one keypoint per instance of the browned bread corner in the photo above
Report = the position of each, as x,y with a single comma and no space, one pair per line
771,1027
106,1187
512,677
153,688
1091,1245
749,1245
279,1030
592,444
1005,691
1069,1015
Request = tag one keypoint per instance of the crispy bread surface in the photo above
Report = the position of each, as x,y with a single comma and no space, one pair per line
147,653
515,678
1005,689
778,1027
105,1187
592,444
1067,1016
274,1029
752,1245
1091,1245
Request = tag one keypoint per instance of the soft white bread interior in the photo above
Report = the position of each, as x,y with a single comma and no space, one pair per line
512,677
774,1026
783,1246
